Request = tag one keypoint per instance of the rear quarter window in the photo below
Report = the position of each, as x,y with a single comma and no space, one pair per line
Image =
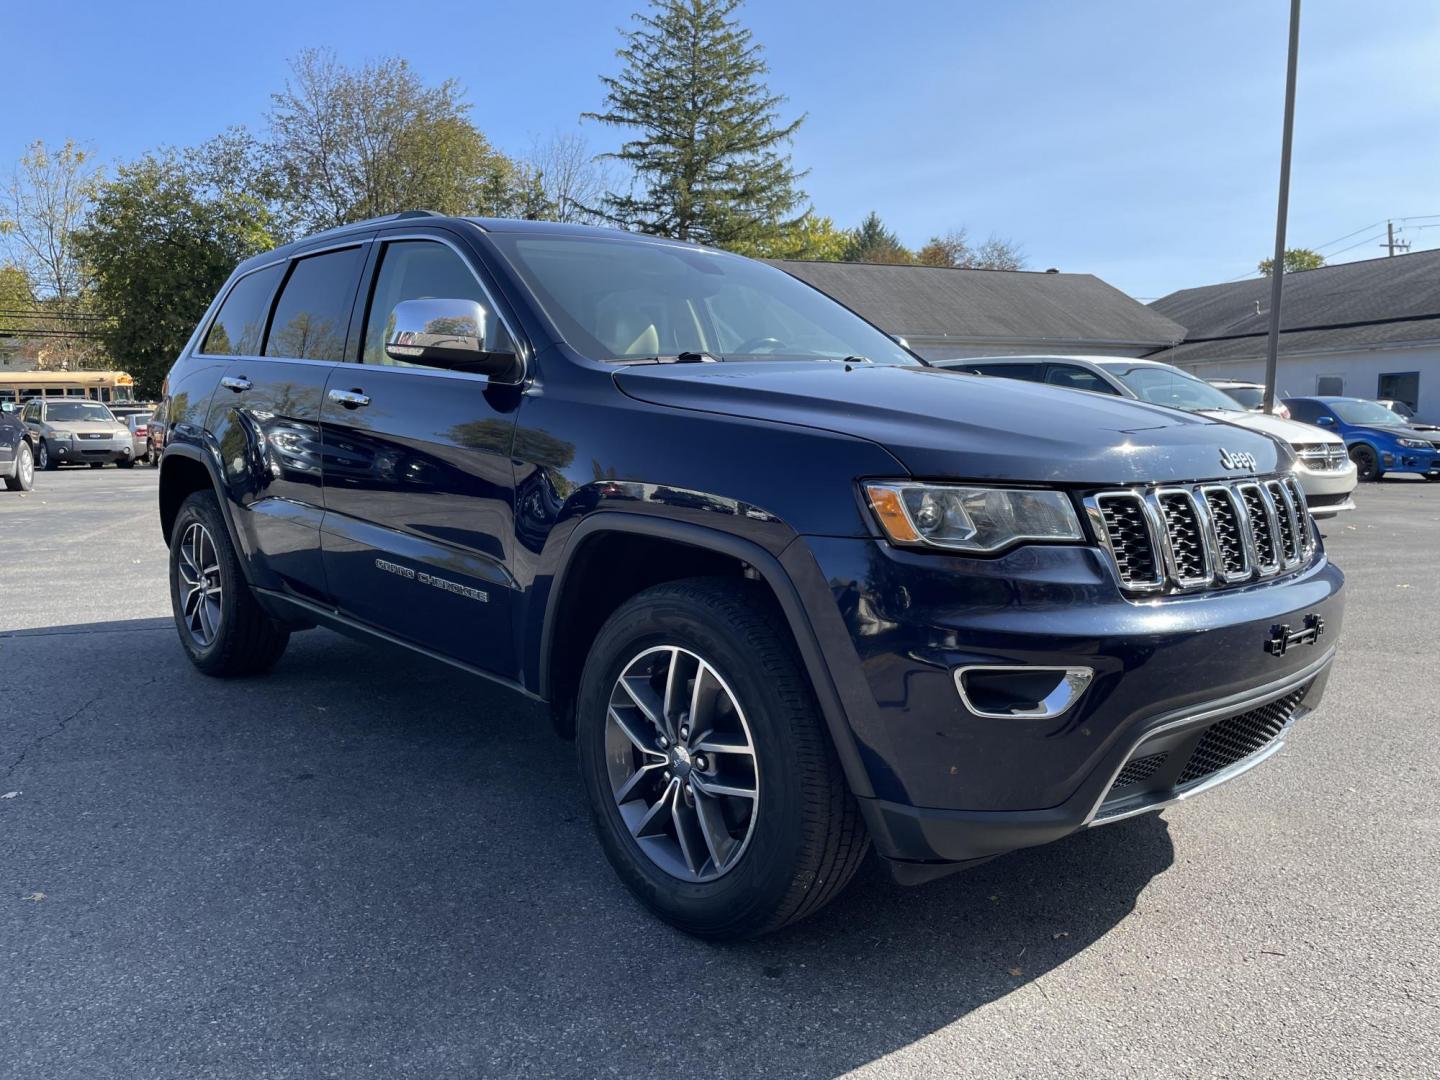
240,323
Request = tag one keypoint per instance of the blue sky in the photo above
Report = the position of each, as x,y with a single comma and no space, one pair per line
1135,140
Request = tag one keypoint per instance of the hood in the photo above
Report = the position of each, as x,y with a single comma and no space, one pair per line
1394,431
942,424
1292,431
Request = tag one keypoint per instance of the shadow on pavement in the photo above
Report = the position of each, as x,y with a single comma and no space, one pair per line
367,862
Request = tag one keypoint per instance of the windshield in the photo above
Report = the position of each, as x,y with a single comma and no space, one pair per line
1160,384
618,299
77,410
1366,412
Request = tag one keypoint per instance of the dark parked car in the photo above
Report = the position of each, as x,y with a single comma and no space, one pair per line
17,453
792,591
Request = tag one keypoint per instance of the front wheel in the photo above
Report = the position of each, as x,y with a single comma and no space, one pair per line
717,795
45,461
24,477
224,630
1367,465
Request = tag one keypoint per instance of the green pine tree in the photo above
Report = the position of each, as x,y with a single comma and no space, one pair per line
872,242
709,150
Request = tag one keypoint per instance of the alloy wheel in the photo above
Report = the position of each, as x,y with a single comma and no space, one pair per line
201,596
25,468
44,456
681,763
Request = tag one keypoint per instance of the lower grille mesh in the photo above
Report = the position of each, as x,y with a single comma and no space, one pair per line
1234,739
1138,770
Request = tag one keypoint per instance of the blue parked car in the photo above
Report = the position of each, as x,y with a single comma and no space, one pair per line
1379,440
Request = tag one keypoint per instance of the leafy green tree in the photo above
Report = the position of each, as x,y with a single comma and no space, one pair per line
872,242
708,147
17,298
44,203
812,237
352,143
1296,259
159,243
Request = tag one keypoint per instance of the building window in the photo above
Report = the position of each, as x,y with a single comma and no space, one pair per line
1330,386
1400,386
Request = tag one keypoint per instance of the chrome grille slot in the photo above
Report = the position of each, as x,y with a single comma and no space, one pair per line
1188,537
1288,528
1261,527
1185,532
1302,514
1127,534
1230,546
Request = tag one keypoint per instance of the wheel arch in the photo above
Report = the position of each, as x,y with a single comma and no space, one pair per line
184,470
579,603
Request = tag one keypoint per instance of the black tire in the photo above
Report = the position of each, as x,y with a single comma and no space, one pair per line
24,478
97,464
808,837
44,461
245,640
1367,465
125,463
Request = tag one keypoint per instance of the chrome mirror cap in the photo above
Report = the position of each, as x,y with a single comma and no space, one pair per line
451,333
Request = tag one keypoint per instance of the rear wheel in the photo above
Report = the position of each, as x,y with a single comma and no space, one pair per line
24,476
1367,465
97,464
718,797
224,630
125,463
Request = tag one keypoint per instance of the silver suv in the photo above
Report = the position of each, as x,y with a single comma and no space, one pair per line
73,431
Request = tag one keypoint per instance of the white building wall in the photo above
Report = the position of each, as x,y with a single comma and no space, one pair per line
1299,375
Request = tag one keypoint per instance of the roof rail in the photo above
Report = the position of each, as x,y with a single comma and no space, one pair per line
403,215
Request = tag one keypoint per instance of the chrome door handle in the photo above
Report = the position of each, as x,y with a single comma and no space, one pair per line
238,383
351,399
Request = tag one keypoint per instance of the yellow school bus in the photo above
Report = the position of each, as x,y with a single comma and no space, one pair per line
108,386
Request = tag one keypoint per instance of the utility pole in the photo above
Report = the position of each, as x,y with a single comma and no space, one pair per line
1391,243
1277,273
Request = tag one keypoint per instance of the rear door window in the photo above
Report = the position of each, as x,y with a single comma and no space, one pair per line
312,316
1027,372
1077,378
240,323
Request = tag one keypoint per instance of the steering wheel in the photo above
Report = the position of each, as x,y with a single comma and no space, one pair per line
755,344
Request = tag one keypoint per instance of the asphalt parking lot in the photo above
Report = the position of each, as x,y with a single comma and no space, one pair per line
368,865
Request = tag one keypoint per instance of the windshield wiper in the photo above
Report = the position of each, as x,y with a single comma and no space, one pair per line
676,358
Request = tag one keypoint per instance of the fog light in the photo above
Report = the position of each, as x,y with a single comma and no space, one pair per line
1021,693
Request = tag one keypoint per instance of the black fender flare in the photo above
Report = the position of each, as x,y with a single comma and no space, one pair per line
771,571
190,452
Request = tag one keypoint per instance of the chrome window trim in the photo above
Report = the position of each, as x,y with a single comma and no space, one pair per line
1241,703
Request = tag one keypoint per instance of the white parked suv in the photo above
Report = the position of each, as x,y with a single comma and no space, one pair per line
1326,473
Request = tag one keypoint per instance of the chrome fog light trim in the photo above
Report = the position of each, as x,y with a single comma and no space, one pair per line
1070,685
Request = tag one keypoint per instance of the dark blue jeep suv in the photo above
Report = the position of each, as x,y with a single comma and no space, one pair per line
791,590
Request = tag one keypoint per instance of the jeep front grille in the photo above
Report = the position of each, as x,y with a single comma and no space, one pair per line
1181,538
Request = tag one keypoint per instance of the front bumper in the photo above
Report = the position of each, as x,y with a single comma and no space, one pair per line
1328,492
950,785
90,450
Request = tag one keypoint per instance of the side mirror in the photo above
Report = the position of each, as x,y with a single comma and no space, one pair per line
456,334
1325,421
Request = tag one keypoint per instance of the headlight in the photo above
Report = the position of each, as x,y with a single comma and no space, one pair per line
1413,444
970,518
62,435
